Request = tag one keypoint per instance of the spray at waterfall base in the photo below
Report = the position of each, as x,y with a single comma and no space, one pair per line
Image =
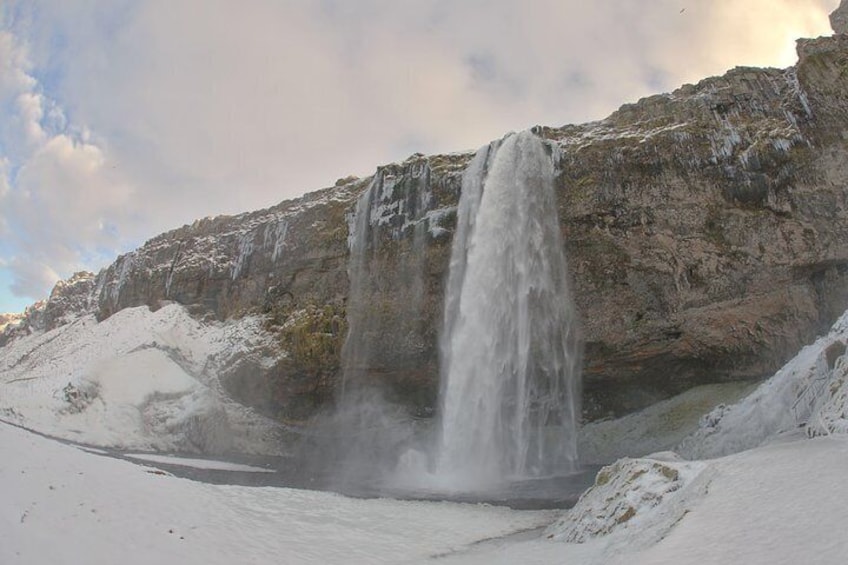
509,344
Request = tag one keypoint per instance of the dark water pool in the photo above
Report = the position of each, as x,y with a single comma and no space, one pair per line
529,494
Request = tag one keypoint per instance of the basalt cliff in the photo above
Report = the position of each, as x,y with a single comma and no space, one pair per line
706,232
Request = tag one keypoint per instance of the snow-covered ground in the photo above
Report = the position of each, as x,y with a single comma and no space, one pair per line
137,380
783,504
207,464
764,483
62,505
780,504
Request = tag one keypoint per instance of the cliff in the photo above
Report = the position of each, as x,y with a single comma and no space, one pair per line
706,232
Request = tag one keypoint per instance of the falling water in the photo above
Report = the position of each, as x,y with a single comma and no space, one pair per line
510,356
369,425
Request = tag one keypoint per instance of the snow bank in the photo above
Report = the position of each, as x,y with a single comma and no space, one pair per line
782,504
631,494
809,393
137,380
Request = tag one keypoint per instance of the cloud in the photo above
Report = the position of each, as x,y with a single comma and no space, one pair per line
14,65
31,112
56,192
281,97
5,189
64,204
31,276
4,179
129,118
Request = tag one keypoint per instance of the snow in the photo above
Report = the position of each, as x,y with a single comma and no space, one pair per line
809,394
628,495
765,486
780,504
207,464
64,506
137,380
773,493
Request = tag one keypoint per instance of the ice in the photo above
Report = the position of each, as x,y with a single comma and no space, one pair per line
208,464
791,76
245,250
807,395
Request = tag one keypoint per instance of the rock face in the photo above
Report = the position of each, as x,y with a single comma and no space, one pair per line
69,300
705,228
706,232
839,18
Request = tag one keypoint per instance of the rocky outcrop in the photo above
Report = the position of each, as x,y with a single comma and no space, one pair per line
284,262
706,230
69,299
839,18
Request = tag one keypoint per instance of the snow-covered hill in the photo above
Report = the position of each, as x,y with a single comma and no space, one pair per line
137,380
772,491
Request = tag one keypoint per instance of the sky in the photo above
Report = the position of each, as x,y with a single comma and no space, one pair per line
120,119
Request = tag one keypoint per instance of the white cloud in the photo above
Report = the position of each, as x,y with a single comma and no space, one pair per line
31,112
4,192
32,277
64,199
14,65
178,110
55,188
4,178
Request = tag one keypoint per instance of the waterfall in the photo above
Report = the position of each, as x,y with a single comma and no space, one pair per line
385,308
509,346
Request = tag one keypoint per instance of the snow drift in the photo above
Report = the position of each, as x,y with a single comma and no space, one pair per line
137,380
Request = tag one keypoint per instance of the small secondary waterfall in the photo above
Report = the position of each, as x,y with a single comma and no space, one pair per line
510,352
385,306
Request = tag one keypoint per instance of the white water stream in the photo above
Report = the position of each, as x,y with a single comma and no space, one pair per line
510,355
